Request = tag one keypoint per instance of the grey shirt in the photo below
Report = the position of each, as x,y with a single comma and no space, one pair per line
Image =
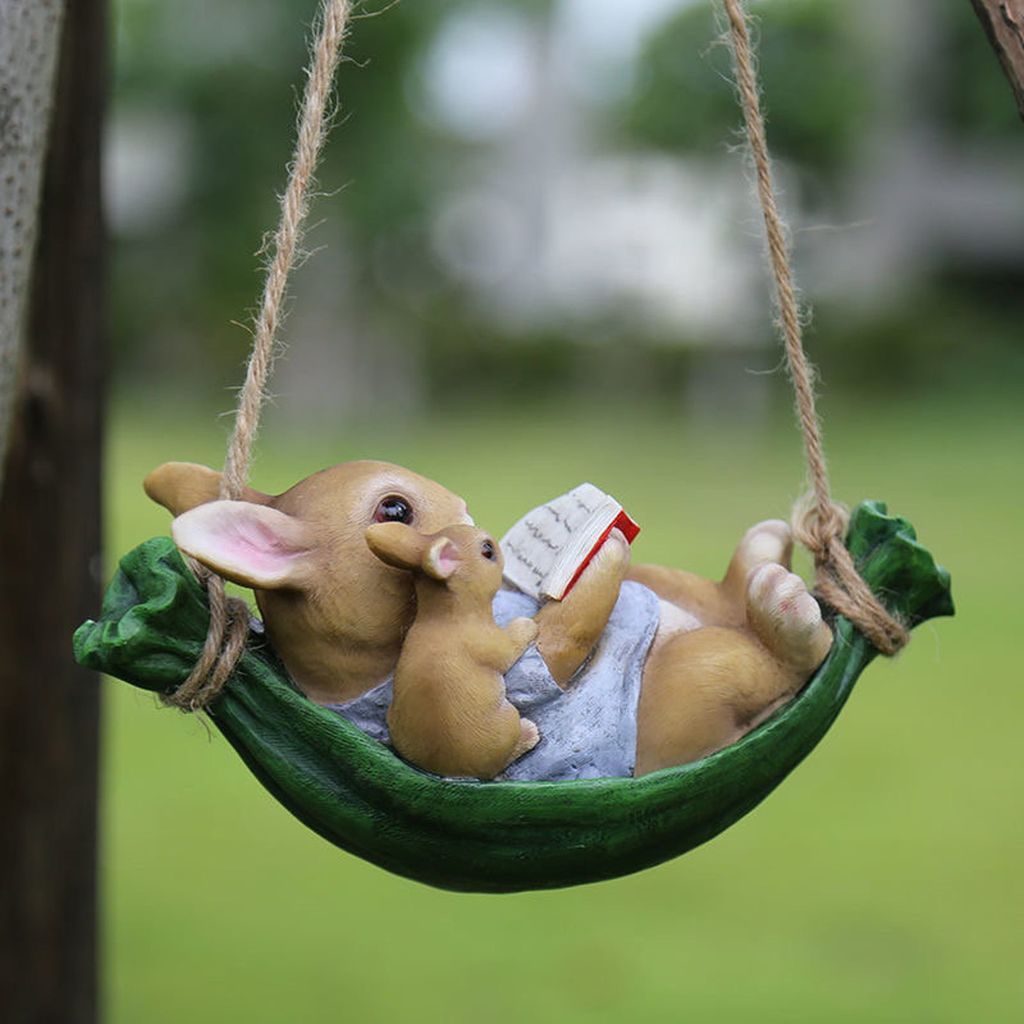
587,730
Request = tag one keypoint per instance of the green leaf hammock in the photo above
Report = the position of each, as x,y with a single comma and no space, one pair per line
487,836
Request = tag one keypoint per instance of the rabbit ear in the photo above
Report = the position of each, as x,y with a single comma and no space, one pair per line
254,545
441,559
397,545
180,486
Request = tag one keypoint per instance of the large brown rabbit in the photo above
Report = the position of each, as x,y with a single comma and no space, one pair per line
449,713
724,654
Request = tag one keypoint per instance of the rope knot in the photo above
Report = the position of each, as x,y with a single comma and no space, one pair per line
222,648
819,527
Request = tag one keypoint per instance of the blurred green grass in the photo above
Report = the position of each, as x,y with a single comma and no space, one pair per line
881,882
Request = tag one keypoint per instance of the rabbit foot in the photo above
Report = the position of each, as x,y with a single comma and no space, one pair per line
786,618
764,543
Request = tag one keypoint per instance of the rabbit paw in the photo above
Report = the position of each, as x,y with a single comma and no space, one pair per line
529,737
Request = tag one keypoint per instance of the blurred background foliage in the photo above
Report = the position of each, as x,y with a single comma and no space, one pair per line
510,197
536,260
816,74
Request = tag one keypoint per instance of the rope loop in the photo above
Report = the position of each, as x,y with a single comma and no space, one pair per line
837,582
223,646
229,617
821,524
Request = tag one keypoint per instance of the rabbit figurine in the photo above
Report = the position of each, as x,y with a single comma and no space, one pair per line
449,713
723,654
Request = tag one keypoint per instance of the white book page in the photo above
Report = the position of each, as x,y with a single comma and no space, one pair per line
545,548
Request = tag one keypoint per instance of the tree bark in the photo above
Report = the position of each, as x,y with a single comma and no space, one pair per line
29,35
49,568
1004,25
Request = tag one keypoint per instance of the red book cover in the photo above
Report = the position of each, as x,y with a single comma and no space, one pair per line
548,549
629,529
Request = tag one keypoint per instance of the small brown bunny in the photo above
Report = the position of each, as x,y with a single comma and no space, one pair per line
449,713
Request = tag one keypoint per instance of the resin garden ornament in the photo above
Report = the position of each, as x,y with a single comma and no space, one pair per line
449,711
392,672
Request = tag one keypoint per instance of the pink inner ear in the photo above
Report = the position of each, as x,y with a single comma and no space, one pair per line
448,559
250,544
262,551
442,559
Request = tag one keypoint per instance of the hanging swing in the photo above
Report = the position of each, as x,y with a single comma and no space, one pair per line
163,630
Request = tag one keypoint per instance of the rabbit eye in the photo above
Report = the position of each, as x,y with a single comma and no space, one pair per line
393,509
487,550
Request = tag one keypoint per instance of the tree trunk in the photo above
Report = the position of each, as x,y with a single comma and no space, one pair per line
1004,25
50,561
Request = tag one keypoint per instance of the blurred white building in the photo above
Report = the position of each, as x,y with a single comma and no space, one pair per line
552,225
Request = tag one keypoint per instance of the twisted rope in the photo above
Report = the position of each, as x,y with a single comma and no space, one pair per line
820,523
820,527
229,616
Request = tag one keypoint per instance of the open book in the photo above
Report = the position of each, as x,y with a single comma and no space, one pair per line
548,549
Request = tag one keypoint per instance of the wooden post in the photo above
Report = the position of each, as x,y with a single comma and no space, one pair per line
29,39
50,567
1004,25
